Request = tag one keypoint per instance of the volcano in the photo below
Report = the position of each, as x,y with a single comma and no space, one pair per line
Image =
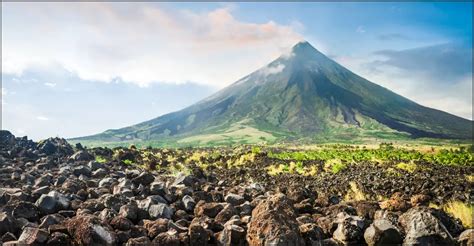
302,96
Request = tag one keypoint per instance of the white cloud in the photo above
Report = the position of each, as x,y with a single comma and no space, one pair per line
140,43
42,118
272,69
52,85
4,91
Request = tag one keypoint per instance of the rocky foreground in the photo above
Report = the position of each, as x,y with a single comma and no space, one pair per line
54,194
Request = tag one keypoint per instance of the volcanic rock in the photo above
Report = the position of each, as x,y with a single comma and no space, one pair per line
274,223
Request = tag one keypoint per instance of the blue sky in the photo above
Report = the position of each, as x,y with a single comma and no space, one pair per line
73,69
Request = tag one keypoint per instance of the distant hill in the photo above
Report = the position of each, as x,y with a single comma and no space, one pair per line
302,96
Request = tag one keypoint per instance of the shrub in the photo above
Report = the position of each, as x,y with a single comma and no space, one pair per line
462,211
355,193
100,159
409,167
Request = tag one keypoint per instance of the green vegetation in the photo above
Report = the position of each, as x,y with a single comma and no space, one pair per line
385,153
127,162
409,167
100,159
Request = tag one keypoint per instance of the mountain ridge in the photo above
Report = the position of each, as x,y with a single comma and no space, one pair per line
300,95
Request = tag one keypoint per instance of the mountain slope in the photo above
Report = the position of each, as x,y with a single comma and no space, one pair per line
301,95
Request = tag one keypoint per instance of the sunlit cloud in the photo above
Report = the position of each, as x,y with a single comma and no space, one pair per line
144,44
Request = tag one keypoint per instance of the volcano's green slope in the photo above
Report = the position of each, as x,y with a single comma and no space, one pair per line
303,95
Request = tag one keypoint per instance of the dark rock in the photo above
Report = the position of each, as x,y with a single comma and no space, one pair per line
160,211
32,235
90,230
168,238
420,199
232,235
6,223
155,227
365,209
82,155
397,202
58,239
7,237
144,178
121,223
129,211
274,222
382,232
349,229
93,165
62,202
82,170
422,228
6,138
208,209
139,241
158,188
225,214
188,203
26,210
46,204
234,199
311,233
197,233
51,219
182,179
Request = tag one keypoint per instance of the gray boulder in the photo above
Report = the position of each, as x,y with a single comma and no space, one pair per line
234,199
46,204
382,232
161,210
423,228
349,228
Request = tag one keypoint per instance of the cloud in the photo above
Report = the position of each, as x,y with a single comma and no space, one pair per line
273,69
437,76
444,63
52,85
4,91
140,43
360,29
42,118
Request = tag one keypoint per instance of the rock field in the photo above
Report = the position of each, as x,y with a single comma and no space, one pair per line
52,193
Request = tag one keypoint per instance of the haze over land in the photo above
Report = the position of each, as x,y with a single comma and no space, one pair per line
421,51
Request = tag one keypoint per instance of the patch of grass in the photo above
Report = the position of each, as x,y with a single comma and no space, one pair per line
334,165
274,170
296,167
178,168
470,178
409,167
127,162
355,193
292,168
243,159
462,211
256,150
100,159
393,172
